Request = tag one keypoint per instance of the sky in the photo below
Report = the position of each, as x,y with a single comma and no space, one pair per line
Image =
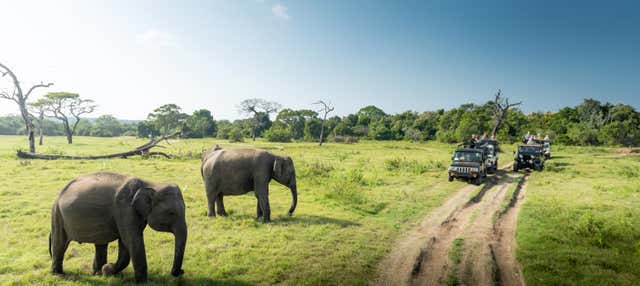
133,56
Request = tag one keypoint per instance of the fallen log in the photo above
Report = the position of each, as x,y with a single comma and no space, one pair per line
142,150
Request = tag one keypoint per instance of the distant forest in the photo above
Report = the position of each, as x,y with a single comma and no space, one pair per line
589,123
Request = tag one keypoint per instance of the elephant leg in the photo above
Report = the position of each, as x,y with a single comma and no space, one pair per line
263,200
58,243
135,246
100,258
258,209
121,263
211,199
220,205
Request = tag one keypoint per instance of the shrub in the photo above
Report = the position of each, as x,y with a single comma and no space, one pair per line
278,134
348,193
413,166
316,169
235,135
345,139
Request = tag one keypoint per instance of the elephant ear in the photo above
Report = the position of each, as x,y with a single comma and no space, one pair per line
142,201
278,167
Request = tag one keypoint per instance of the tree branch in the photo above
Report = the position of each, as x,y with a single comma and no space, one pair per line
26,96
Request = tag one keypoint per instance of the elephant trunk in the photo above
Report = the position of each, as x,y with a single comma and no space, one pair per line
180,234
294,195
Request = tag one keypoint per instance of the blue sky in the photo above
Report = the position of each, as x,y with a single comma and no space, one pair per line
131,57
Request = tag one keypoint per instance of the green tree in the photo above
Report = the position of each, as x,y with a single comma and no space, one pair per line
259,111
295,120
167,119
68,107
201,124
312,129
106,126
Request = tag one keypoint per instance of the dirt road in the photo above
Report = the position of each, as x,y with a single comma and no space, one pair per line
480,222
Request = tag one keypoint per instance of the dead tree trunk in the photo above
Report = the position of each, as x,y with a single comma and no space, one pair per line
21,99
500,108
325,109
143,150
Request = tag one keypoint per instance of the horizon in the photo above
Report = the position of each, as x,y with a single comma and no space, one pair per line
132,58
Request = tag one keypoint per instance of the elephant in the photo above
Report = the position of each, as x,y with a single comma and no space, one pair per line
239,171
101,207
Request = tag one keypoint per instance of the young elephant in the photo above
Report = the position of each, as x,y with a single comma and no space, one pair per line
102,207
239,171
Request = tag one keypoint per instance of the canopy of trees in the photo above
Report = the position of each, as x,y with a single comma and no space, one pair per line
590,123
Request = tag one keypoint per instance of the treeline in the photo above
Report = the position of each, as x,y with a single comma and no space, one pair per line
590,123
103,126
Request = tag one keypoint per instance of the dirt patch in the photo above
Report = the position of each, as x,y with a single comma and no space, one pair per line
504,240
422,257
405,260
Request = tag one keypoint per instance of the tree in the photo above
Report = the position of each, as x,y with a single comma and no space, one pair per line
63,105
500,107
295,120
258,108
167,119
312,129
201,124
39,108
106,126
21,99
325,108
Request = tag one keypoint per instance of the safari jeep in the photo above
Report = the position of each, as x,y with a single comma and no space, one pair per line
491,150
529,156
546,147
469,164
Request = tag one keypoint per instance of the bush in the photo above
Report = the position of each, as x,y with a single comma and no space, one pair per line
316,169
278,134
345,139
350,195
413,166
235,135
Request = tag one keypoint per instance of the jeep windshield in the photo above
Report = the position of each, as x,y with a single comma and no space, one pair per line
530,149
466,156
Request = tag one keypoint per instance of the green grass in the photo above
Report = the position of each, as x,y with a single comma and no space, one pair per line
455,256
351,209
580,223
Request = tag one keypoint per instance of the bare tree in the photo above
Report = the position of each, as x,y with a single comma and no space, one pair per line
500,107
63,105
325,108
21,99
38,110
257,108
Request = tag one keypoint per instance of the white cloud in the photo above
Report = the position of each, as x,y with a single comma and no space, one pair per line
280,11
156,37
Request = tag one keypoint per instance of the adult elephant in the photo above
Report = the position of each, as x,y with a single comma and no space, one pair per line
102,207
239,171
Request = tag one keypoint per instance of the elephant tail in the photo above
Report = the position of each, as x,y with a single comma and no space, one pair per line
50,245
294,202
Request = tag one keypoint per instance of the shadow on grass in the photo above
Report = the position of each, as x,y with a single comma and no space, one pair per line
312,220
127,279
293,220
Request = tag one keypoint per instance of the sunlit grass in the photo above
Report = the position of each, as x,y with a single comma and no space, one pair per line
580,224
351,209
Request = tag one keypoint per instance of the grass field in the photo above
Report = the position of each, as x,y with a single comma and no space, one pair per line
579,224
354,200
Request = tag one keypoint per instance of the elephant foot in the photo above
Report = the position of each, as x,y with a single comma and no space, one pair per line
108,269
223,214
176,273
57,273
266,220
